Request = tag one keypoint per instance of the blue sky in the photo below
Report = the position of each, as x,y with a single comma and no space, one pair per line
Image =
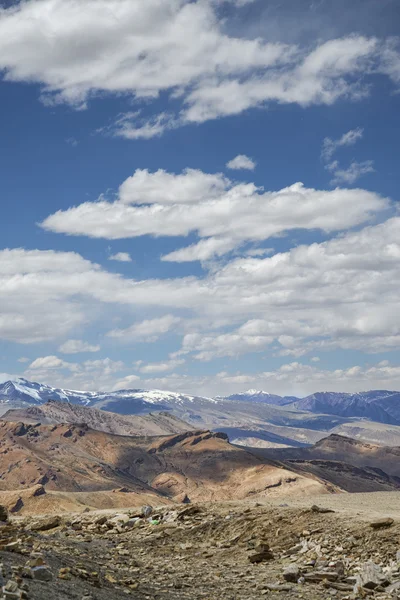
200,196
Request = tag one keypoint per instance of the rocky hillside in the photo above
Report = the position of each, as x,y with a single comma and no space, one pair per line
53,411
349,464
224,550
382,406
201,464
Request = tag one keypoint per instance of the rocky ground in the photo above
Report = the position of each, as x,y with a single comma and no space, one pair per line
224,551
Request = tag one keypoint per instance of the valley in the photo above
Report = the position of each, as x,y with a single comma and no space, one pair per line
154,494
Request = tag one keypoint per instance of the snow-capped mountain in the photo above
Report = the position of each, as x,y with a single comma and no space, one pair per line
30,392
21,392
260,396
377,405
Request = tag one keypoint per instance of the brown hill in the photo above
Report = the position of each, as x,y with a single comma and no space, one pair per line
74,458
53,412
350,464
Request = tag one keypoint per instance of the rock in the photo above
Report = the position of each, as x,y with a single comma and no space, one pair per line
278,587
394,587
3,513
146,511
380,523
118,520
317,576
18,504
46,524
11,591
370,577
101,520
36,561
261,552
291,573
38,490
321,510
13,547
342,587
182,498
64,573
42,573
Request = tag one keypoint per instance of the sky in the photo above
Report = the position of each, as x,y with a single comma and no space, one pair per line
200,196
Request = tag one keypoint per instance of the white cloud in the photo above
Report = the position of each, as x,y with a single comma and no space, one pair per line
77,346
223,213
120,257
311,299
89,375
353,172
161,367
291,379
131,127
356,169
23,359
79,50
330,146
50,362
241,161
147,331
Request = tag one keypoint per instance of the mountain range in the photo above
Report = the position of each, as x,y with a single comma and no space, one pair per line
382,406
252,418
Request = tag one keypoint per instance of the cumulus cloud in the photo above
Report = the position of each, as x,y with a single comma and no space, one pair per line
241,161
147,331
312,298
51,362
88,375
121,257
75,51
223,213
77,346
160,367
292,378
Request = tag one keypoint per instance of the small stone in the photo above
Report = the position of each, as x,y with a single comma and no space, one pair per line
13,547
261,552
370,577
278,587
291,573
64,573
42,573
379,523
394,587
146,511
3,513
46,524
11,591
321,510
